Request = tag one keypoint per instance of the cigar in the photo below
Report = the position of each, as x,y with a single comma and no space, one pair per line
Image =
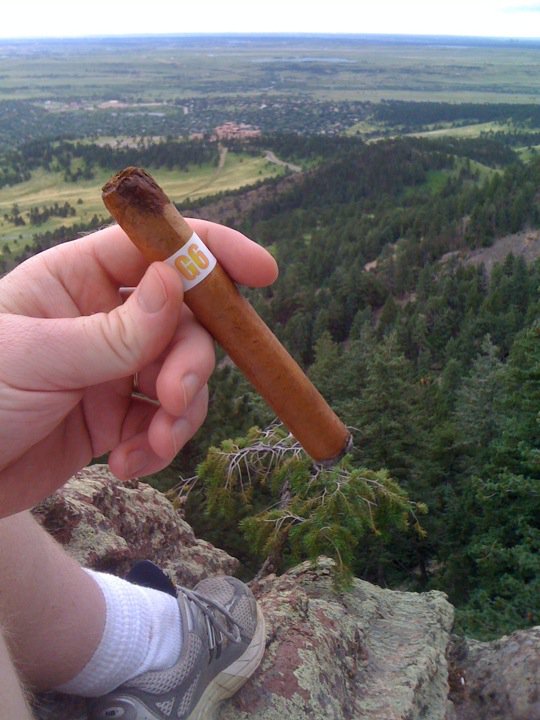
155,226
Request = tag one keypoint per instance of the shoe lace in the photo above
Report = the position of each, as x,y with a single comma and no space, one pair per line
214,626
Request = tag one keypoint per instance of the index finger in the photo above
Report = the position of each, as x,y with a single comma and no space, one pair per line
244,260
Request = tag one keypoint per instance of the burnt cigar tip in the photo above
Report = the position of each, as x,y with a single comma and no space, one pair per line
136,187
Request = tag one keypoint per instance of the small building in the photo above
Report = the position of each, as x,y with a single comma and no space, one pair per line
236,131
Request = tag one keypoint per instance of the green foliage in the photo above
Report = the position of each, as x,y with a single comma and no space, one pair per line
494,559
331,509
477,410
503,557
289,510
387,411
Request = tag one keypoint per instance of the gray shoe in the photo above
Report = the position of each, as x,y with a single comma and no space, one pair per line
223,641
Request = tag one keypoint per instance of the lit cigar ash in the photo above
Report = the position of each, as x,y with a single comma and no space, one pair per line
156,227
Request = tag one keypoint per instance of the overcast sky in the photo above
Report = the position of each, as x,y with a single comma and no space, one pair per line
68,18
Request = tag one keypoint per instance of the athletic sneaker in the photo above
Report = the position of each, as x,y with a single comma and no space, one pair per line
223,641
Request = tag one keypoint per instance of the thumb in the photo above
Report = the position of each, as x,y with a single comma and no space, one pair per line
71,353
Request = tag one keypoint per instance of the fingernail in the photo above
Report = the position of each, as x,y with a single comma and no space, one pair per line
136,462
190,387
151,293
181,433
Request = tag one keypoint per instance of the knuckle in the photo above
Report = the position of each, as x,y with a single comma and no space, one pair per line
119,339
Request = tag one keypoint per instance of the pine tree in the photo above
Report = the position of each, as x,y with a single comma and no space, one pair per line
386,412
499,551
290,509
478,404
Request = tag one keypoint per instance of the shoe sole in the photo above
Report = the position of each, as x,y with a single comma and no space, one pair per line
230,680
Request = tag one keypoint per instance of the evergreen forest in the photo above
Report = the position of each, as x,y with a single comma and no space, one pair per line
431,357
416,324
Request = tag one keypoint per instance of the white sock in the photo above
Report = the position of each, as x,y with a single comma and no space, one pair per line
142,632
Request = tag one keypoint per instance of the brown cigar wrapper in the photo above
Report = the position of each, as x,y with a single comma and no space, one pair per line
155,226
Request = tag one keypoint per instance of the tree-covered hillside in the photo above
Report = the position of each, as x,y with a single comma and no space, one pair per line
434,362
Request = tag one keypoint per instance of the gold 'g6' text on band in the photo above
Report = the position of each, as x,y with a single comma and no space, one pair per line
194,262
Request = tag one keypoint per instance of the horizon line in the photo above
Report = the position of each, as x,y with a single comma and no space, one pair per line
247,33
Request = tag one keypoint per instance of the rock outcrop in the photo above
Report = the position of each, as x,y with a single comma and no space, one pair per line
107,525
364,654
498,680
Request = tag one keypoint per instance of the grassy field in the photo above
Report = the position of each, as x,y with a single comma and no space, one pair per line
528,153
466,131
45,188
335,68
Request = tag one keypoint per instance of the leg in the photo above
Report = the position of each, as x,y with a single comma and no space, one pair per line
92,633
52,611
14,703
71,630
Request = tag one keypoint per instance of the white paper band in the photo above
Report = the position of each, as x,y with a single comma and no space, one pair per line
194,262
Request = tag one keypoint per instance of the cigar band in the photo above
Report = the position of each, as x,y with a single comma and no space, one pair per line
194,262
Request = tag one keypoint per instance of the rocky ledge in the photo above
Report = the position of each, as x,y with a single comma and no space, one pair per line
365,654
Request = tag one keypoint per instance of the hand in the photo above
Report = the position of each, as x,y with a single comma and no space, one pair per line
70,349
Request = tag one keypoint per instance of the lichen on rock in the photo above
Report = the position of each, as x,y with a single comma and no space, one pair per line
365,653
108,525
